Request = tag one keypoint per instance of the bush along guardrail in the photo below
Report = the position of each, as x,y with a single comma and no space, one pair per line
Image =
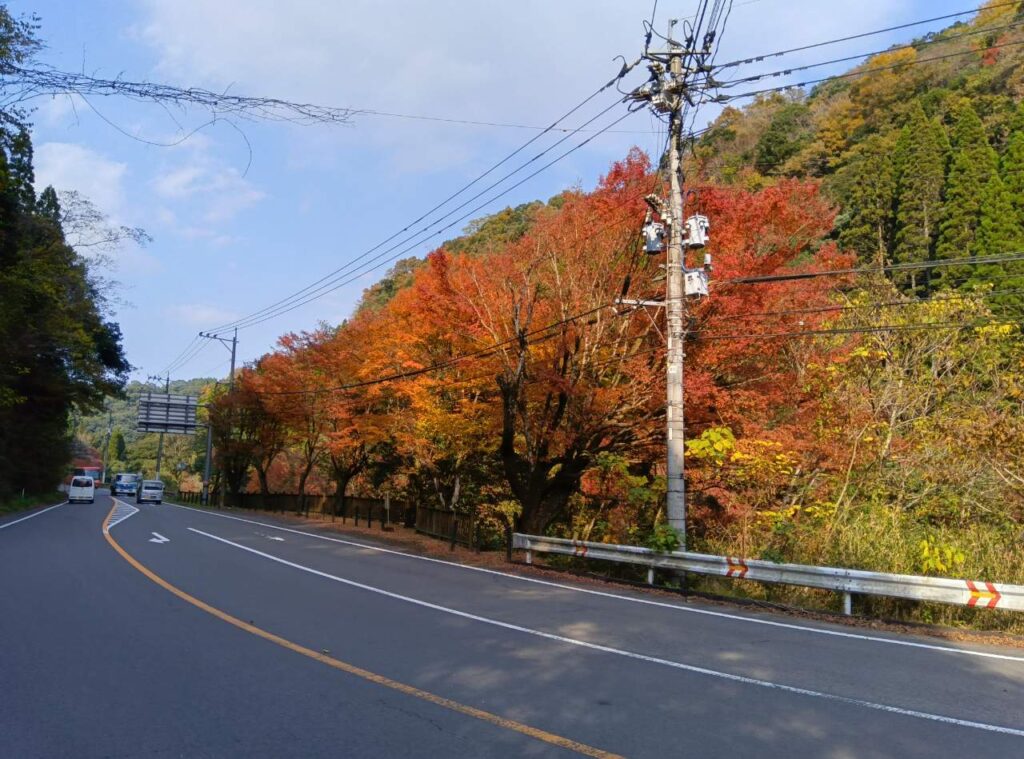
973,593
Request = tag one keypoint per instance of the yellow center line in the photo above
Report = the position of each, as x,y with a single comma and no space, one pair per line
373,677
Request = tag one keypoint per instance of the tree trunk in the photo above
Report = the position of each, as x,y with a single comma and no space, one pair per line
341,482
261,474
544,497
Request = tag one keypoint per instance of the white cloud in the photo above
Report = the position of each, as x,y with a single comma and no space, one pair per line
223,191
200,315
67,166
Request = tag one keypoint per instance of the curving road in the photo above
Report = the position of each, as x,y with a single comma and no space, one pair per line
183,633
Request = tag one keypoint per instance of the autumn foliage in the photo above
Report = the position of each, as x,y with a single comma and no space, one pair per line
507,375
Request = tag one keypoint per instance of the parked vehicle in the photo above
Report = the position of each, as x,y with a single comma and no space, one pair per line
150,491
82,489
125,483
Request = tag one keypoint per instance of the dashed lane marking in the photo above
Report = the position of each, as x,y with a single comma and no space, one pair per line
630,599
373,677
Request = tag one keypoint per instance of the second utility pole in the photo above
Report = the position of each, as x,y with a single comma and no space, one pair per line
231,386
667,92
675,313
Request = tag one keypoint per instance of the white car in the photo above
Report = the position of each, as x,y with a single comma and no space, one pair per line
82,489
151,491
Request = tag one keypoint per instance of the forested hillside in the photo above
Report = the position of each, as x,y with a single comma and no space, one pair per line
920,147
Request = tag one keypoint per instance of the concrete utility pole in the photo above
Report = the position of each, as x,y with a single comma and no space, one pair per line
209,433
667,93
160,445
106,444
206,464
675,312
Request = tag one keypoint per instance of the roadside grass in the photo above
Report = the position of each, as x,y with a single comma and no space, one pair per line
23,503
883,539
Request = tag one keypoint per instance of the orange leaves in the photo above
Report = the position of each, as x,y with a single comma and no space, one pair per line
533,371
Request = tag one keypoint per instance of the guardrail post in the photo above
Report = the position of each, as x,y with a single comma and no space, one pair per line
847,604
650,575
529,556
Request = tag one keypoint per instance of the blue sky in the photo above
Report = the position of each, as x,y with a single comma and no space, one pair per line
244,213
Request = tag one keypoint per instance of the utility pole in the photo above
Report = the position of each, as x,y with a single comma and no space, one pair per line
231,386
667,93
106,444
160,445
205,500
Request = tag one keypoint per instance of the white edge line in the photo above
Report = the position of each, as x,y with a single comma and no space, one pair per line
5,525
630,599
632,654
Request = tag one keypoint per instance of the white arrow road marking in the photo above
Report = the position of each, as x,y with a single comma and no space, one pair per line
270,537
158,538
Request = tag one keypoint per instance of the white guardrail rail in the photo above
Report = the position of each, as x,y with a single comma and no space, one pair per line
974,593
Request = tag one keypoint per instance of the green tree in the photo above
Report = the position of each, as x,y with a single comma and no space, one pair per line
1000,233
920,157
118,449
1012,165
974,165
787,134
870,190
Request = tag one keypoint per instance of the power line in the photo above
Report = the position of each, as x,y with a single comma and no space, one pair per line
697,334
967,261
315,286
177,358
862,35
186,358
965,297
865,72
481,353
911,46
335,284
489,349
504,125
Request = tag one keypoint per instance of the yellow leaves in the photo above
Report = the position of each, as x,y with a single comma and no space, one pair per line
939,557
822,510
771,517
763,459
894,58
715,445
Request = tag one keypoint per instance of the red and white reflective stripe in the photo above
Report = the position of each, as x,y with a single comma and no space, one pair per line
579,548
984,592
736,567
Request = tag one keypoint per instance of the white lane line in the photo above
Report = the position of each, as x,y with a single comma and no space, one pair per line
644,601
30,516
122,511
630,654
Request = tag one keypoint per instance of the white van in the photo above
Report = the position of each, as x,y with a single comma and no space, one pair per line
150,491
82,489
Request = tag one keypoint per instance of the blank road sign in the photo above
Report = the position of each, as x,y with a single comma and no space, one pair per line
161,412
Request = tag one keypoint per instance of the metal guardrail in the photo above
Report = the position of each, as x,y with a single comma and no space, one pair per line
974,593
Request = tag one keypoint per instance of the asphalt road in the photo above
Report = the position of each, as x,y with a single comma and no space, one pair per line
193,634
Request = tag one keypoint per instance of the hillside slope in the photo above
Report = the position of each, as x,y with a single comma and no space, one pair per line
920,147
